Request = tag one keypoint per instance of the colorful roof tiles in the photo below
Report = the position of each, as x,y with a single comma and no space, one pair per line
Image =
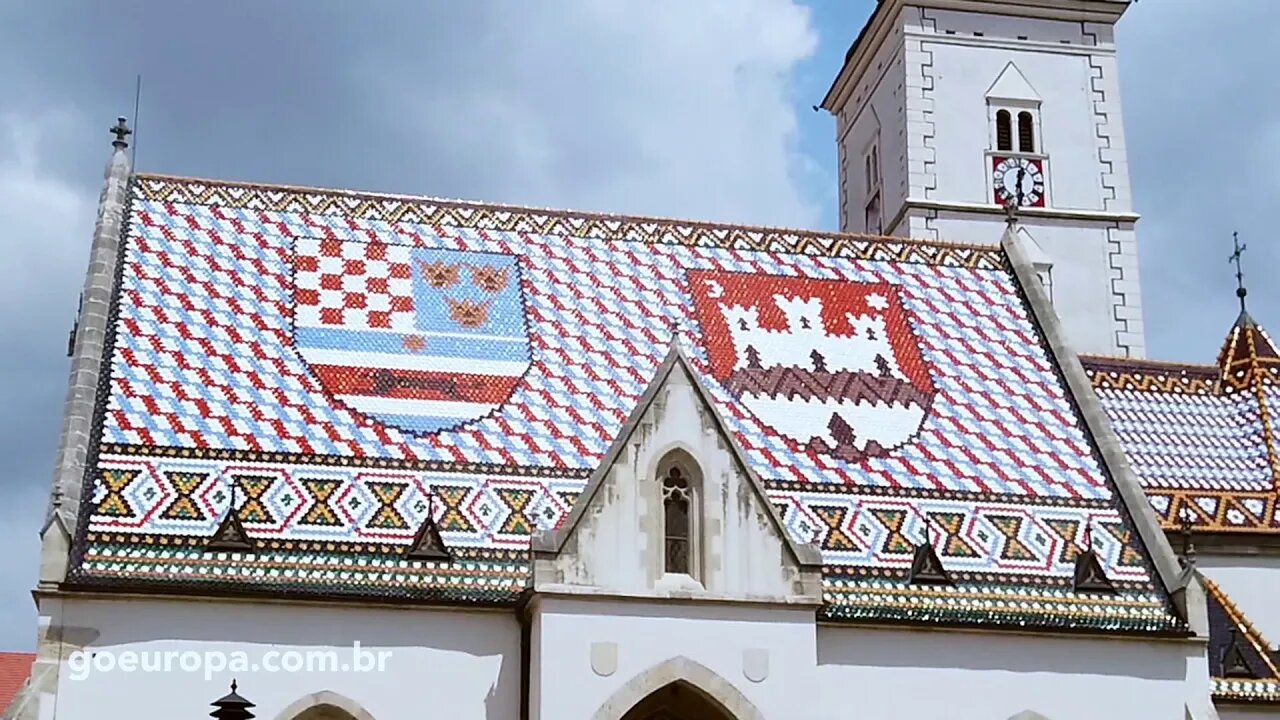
1202,439
356,365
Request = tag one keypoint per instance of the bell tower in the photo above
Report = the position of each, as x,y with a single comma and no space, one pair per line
948,110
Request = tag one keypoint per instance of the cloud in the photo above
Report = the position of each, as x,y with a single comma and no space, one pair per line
1202,122
663,107
46,225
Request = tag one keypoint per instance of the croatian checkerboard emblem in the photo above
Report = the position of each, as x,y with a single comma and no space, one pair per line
423,339
830,365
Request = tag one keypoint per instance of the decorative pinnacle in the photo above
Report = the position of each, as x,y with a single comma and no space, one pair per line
121,131
1186,519
1235,258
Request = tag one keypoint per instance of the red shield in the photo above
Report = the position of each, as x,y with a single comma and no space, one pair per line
829,364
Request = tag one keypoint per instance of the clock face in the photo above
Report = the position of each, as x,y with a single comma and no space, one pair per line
1011,174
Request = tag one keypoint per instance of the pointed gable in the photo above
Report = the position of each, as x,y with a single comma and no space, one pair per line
620,538
1243,666
1012,85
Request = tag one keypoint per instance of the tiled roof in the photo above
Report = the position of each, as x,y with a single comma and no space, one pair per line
1243,666
15,668
354,365
1202,439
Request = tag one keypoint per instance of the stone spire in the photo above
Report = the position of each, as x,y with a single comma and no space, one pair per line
88,346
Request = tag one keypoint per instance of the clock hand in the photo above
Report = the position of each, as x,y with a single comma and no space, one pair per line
1022,175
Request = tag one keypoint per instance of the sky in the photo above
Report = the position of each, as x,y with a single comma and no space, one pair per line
697,110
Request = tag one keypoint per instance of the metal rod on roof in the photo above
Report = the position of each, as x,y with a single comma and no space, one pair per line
137,101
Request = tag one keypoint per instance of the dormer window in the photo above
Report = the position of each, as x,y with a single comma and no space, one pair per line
677,521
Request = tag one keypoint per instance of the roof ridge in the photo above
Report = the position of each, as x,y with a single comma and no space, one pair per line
569,212
1121,360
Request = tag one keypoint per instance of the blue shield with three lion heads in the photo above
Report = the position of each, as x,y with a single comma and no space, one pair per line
423,339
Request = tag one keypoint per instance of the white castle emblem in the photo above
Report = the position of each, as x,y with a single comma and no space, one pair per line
807,343
836,389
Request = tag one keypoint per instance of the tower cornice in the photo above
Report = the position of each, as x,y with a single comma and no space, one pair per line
878,26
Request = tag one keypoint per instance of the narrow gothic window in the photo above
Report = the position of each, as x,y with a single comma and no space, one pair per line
1004,130
1026,132
675,505
872,218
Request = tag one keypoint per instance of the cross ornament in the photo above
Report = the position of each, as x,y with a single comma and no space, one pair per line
121,131
1238,251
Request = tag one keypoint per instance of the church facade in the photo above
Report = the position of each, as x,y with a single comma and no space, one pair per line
374,456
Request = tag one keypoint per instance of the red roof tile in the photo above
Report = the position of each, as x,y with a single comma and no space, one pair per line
15,668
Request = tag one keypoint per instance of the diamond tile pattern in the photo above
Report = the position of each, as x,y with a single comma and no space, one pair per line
209,390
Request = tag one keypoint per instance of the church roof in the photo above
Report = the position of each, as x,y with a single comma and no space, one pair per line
1202,439
15,668
1243,666
347,369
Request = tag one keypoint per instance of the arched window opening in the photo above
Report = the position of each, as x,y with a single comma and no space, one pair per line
1004,130
676,502
1026,132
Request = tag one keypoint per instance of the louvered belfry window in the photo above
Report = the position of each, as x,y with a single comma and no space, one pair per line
1026,132
1004,130
676,520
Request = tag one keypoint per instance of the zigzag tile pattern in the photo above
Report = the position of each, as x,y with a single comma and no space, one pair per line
211,388
369,506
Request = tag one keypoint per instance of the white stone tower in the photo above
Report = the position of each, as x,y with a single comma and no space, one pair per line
947,109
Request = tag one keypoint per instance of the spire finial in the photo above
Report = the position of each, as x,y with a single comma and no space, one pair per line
121,131
1238,250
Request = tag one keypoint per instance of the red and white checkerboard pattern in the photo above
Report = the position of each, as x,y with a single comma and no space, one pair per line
356,286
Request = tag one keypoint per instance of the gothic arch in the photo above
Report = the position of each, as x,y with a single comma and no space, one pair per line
684,671
680,481
325,704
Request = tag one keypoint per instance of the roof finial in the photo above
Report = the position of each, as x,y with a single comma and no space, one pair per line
121,131
1235,258
1186,519
1011,213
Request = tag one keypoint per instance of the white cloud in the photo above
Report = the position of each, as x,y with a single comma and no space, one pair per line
667,108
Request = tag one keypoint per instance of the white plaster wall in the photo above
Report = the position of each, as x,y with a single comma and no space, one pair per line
441,664
963,73
887,674
949,60
875,111
647,634
618,544
1253,584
